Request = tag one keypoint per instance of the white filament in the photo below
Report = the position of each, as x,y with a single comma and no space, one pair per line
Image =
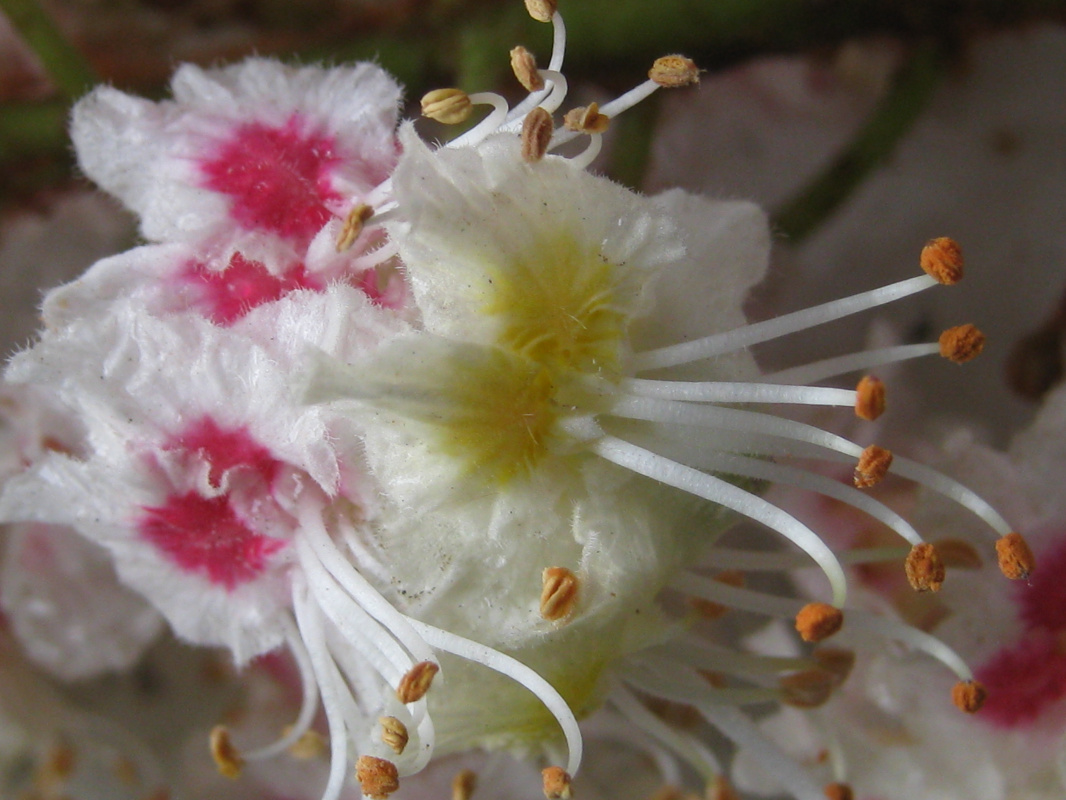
738,392
697,483
852,362
748,335
735,597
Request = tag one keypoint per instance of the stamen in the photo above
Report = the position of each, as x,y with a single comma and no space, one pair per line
518,672
353,226
733,597
818,621
863,623
524,66
536,134
809,689
308,705
310,745
542,10
873,465
378,778
697,483
732,558
869,398
586,119
738,392
961,344
487,126
558,593
394,734
818,371
556,783
448,106
310,624
942,259
968,696
583,159
555,66
1015,558
925,570
838,791
756,333
708,609
414,685
463,784
674,71
227,758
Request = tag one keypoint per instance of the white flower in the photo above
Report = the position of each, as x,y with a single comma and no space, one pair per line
530,451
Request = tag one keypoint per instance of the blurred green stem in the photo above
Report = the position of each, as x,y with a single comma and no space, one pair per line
910,93
64,64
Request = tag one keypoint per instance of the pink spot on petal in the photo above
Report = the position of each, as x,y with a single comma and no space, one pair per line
226,450
244,284
205,536
1024,680
1042,599
278,178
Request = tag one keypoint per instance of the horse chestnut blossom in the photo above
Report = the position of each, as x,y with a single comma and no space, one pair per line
458,426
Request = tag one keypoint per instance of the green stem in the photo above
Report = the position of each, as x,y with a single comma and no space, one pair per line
894,116
65,65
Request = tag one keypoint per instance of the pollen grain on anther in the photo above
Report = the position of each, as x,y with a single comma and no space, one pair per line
537,130
416,682
674,71
874,463
524,66
869,398
924,568
818,621
962,343
378,777
556,783
1015,558
942,259
393,733
968,696
558,595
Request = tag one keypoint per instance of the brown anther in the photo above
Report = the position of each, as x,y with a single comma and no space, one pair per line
393,733
668,792
924,568
870,398
524,66
464,783
968,696
837,661
414,685
708,609
450,106
942,259
838,791
715,679
721,789
537,130
586,119
958,554
1015,558
56,769
818,621
227,758
872,467
378,778
353,226
541,10
808,689
556,783
962,343
310,745
558,593
674,71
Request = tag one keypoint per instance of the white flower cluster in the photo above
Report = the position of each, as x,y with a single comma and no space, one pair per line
379,403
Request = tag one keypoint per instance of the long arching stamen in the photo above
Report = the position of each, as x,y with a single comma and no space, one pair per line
741,599
852,362
310,625
738,392
725,558
755,333
690,480
517,671
308,703
487,126
555,65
